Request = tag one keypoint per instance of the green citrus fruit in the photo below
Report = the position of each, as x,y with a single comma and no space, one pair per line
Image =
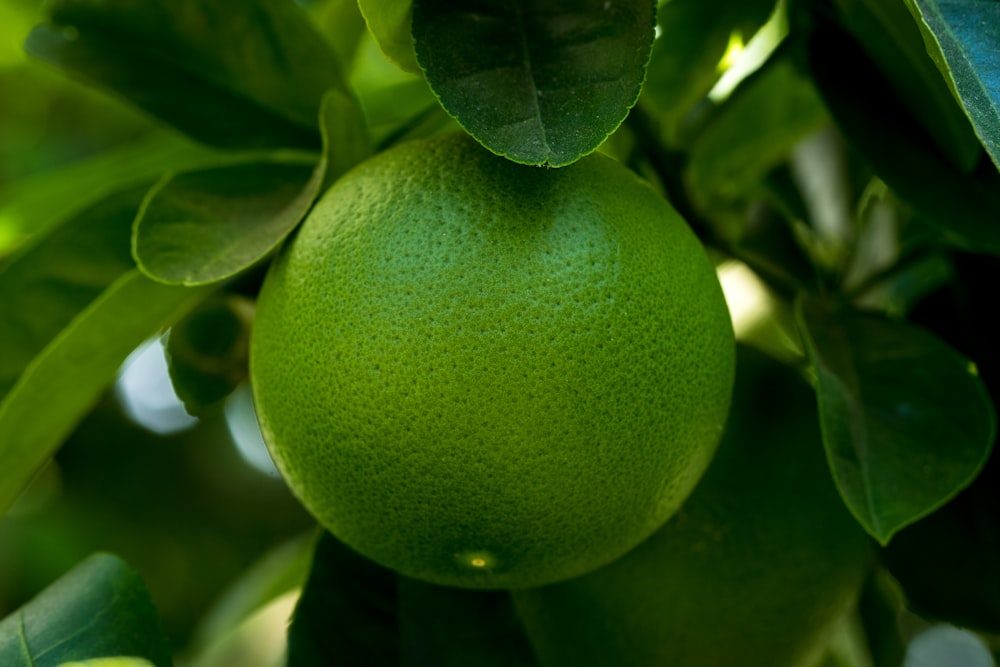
756,569
489,375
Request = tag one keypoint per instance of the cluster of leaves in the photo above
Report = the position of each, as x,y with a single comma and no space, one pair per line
853,169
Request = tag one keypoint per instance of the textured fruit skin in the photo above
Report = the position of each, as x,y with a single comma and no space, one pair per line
755,569
488,375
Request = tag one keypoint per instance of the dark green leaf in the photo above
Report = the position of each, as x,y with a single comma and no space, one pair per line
963,37
58,275
965,208
906,421
100,608
345,135
347,612
206,226
67,377
340,21
753,132
450,627
246,74
949,563
389,23
541,82
694,35
879,608
207,351
893,42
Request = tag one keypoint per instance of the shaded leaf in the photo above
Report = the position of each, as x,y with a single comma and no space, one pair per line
262,89
694,35
893,41
67,377
963,37
879,607
347,612
36,204
345,135
389,23
907,424
206,226
58,275
964,208
109,662
451,627
754,131
540,82
949,562
207,351
100,608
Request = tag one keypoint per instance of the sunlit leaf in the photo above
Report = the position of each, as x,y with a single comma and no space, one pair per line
694,36
539,82
100,608
389,23
907,423
205,226
262,89
964,208
67,377
963,37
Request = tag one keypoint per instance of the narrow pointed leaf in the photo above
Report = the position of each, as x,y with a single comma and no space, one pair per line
100,608
964,208
389,23
963,37
65,380
263,89
205,226
906,421
58,275
541,82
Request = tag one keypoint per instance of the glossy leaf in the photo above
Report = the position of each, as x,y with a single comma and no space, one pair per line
893,41
907,423
694,36
67,377
451,627
100,608
205,226
963,207
540,82
389,23
207,351
262,89
963,37
347,612
49,282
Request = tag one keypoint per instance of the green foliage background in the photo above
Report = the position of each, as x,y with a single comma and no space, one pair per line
154,155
